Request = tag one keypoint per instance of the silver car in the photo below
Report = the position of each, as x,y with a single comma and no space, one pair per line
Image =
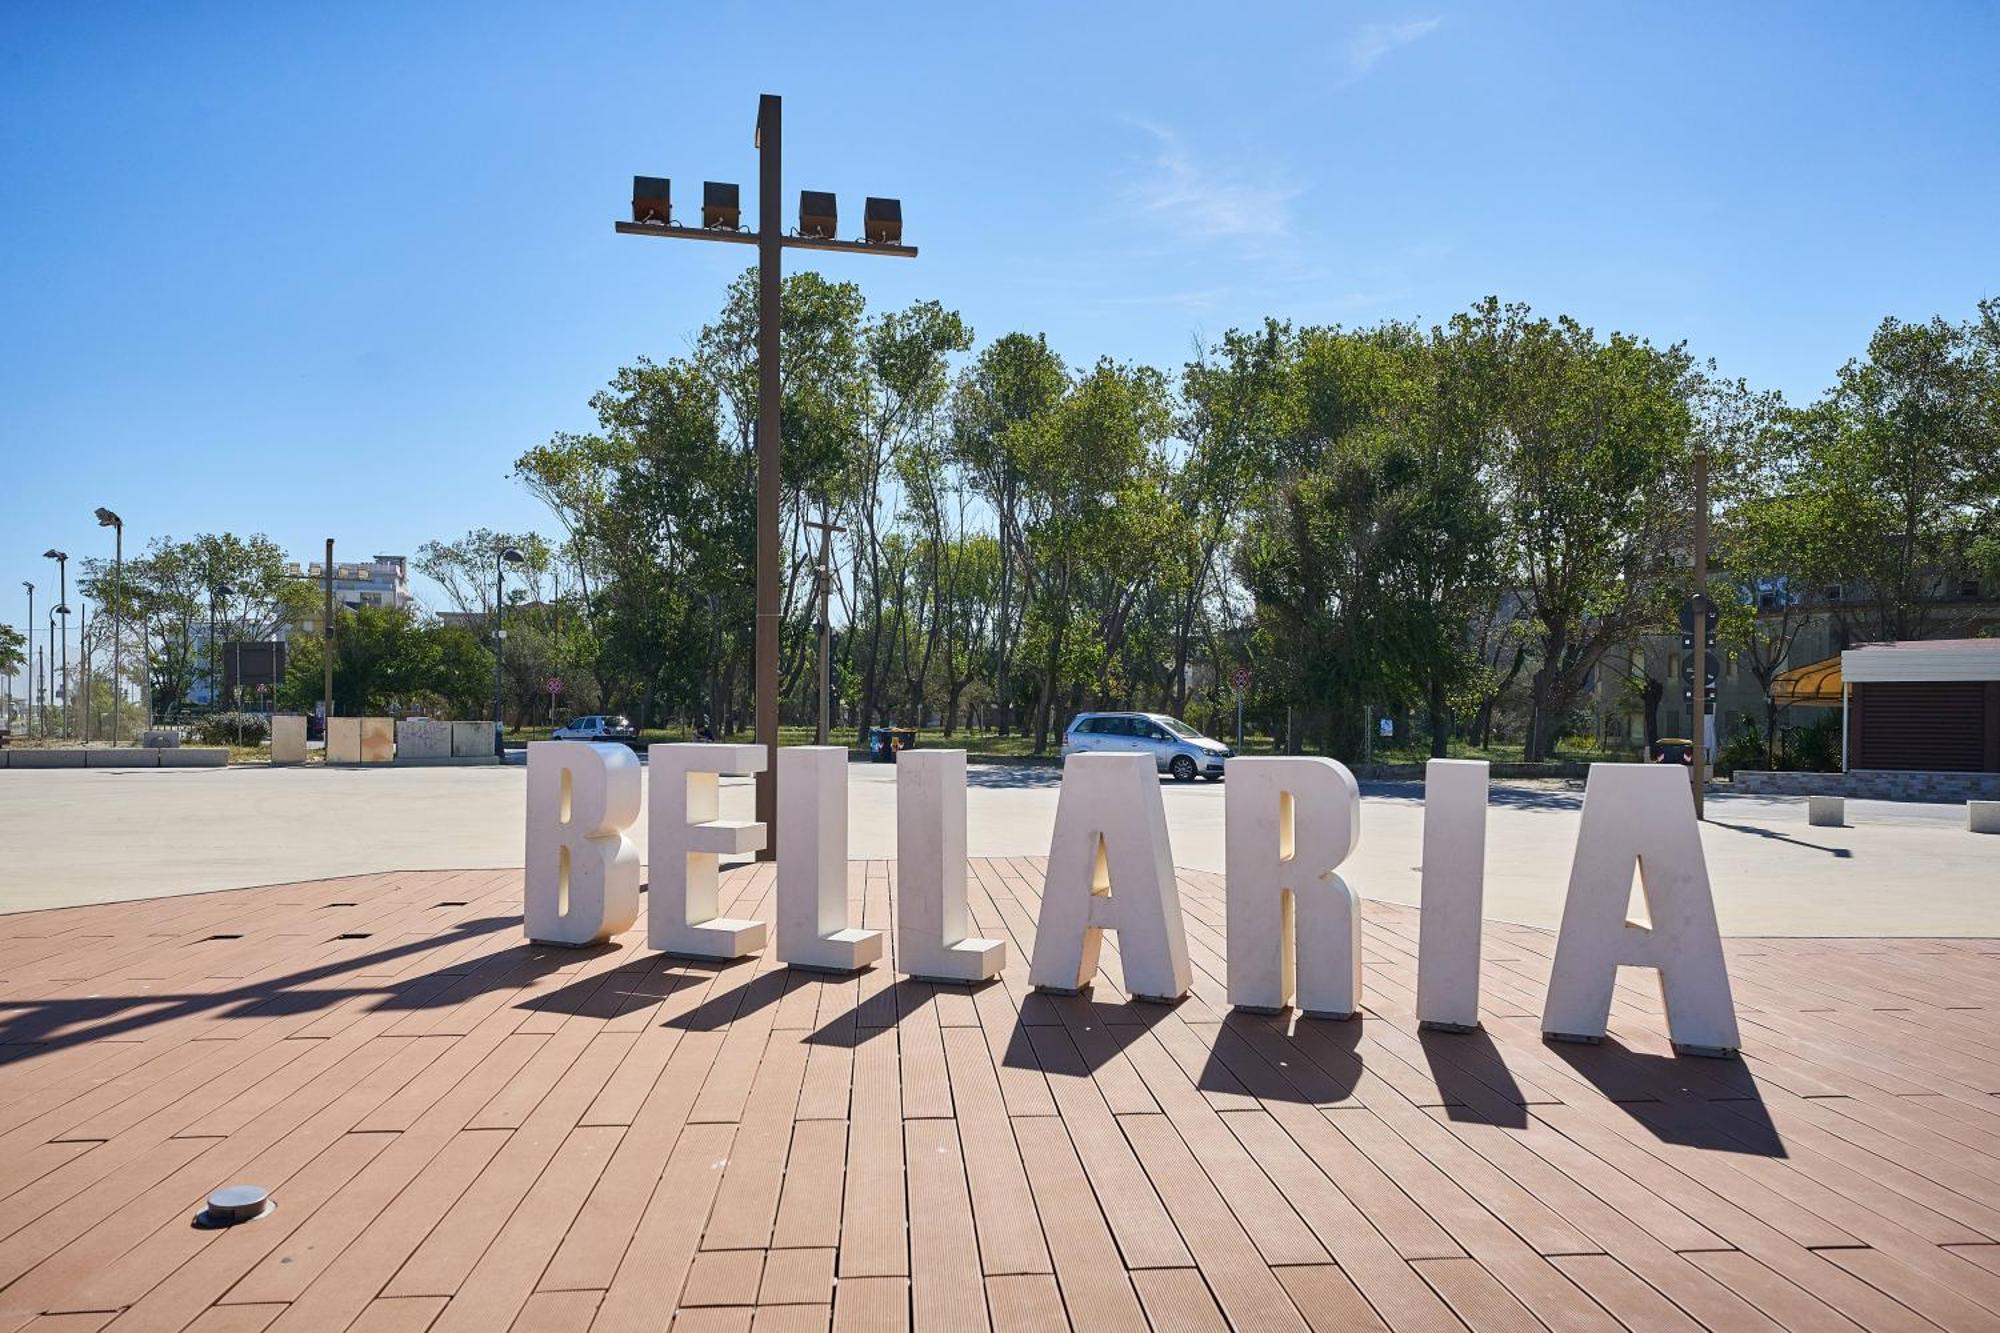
1176,747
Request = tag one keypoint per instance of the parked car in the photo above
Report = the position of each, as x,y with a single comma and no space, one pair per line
1674,750
1176,747
885,743
598,727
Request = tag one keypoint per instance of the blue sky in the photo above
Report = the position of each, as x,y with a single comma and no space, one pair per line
327,269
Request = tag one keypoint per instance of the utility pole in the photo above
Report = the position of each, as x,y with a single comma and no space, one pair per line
1699,689
883,224
824,574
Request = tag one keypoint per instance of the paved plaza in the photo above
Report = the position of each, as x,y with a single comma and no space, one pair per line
315,981
465,1133
103,835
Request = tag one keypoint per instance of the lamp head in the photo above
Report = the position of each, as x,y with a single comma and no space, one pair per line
512,555
719,205
882,221
652,199
107,519
53,554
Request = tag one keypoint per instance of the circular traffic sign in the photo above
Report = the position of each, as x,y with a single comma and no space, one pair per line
1687,615
1240,678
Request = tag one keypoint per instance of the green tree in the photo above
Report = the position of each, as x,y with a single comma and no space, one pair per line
1904,465
173,587
1003,403
1593,483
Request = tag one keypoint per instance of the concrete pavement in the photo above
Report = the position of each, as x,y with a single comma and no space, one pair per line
82,836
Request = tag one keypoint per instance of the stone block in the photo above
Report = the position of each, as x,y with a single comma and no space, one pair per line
1982,816
122,757
378,740
195,756
288,739
422,740
46,759
343,740
1826,811
160,738
470,740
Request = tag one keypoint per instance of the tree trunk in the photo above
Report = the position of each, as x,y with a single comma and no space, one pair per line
1440,720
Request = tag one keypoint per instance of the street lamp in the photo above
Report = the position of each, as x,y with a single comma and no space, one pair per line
107,519
31,651
216,593
62,651
506,555
884,232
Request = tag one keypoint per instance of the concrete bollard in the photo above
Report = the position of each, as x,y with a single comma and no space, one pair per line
1982,816
1826,811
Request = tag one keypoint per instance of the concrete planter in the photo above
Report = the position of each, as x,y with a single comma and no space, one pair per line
1982,816
1826,811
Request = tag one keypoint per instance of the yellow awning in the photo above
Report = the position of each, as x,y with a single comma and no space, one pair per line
1816,685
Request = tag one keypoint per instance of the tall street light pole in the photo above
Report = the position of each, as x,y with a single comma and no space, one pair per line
652,215
31,653
107,519
62,652
506,555
219,591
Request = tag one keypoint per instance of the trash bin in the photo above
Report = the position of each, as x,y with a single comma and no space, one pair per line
884,742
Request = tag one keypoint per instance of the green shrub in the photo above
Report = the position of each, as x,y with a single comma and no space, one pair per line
1814,747
232,729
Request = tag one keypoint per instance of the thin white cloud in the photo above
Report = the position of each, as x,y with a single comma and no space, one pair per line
1366,48
1198,201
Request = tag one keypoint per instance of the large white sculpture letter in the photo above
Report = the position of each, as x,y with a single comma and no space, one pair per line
931,920
1110,868
582,881
1641,813
685,837
1287,823
1454,891
812,864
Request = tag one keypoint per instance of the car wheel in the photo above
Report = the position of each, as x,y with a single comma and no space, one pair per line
1182,768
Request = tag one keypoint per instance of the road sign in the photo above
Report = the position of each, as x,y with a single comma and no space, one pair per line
1240,678
1714,665
553,685
1687,616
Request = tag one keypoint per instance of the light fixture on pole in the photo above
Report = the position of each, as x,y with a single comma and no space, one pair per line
215,594
31,652
62,648
107,519
506,555
883,227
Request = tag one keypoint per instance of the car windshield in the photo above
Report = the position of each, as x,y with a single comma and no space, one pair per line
1178,727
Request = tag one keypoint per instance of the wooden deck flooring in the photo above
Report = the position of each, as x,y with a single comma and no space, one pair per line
464,1132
